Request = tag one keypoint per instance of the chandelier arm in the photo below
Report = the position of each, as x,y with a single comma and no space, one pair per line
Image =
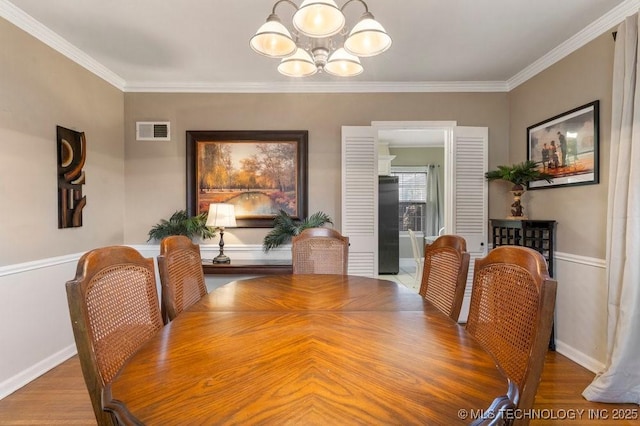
293,30
273,11
366,8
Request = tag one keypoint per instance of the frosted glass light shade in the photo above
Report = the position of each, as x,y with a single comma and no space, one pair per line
273,39
318,18
300,64
343,64
367,38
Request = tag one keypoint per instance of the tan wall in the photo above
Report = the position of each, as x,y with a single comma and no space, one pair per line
40,89
420,157
582,77
155,171
417,156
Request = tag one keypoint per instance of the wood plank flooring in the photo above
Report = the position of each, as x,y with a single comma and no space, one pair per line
59,397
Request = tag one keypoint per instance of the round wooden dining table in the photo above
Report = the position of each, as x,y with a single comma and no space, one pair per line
307,350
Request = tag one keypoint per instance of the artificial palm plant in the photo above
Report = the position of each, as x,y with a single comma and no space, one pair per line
285,227
180,223
519,174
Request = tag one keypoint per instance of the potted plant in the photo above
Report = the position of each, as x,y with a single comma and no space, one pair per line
180,223
285,227
519,175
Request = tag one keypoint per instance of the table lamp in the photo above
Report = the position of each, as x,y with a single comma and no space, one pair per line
221,216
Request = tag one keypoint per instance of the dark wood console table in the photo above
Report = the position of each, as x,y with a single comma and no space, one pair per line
539,235
248,267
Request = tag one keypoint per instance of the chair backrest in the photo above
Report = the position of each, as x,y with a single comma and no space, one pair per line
181,275
444,276
511,314
415,248
320,251
113,305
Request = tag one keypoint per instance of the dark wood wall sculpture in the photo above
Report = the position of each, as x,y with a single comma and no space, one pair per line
71,156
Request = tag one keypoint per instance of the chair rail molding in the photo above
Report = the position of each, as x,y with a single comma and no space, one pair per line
19,268
583,260
239,251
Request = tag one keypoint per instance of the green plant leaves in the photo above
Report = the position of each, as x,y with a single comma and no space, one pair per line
181,224
285,227
519,174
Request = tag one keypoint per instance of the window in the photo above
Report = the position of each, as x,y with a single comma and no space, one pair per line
412,189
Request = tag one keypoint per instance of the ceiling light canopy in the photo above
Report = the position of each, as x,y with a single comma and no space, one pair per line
309,47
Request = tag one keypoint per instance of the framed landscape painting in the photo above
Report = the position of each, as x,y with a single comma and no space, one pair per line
259,172
566,147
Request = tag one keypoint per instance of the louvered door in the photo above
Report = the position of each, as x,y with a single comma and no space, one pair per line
470,197
360,198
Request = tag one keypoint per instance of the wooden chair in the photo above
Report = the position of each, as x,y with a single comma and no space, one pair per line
320,251
511,314
113,305
181,275
444,279
417,257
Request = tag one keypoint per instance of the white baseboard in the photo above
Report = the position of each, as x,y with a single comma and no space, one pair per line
587,362
24,377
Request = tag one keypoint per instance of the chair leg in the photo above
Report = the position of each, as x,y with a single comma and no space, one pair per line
419,266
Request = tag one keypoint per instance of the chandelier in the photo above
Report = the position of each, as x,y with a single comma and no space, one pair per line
309,47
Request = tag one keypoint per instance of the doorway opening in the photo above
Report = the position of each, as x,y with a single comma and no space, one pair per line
415,149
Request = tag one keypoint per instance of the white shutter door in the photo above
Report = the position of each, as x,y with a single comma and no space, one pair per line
360,198
470,197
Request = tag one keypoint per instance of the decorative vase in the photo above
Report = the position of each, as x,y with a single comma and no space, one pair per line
517,211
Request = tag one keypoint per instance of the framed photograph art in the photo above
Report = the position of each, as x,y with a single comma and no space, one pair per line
259,172
566,147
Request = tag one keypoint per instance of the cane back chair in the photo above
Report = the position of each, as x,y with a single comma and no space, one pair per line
511,314
114,309
320,251
181,275
444,277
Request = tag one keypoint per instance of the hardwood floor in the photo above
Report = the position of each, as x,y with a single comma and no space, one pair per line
60,398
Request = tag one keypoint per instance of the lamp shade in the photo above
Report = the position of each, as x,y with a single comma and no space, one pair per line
300,64
343,64
367,38
273,39
221,216
318,18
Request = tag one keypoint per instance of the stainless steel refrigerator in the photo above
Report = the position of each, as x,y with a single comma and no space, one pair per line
388,233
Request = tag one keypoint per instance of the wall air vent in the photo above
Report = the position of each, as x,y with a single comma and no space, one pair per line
153,131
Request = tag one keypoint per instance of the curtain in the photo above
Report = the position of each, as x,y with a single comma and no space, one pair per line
620,381
434,206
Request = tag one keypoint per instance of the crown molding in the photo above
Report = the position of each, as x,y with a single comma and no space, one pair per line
31,26
28,24
593,30
319,87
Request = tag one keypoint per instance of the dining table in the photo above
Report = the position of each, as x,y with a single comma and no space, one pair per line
307,350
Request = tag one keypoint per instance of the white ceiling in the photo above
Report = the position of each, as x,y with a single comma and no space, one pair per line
203,45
